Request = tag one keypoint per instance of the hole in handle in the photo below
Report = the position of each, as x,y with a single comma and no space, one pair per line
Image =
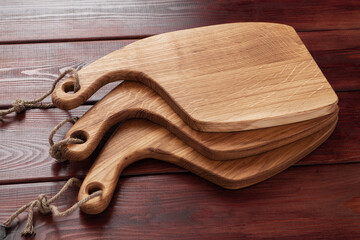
81,135
94,187
68,87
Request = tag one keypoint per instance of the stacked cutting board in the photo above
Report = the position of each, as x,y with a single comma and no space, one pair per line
233,103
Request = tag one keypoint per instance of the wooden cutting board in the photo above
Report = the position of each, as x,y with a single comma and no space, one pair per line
220,78
139,139
135,100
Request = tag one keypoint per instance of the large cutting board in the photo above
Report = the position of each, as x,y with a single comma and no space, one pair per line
220,78
138,139
135,100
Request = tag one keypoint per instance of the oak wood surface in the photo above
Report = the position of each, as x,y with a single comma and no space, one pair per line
137,139
27,70
305,202
24,155
220,78
134,100
24,152
48,20
308,202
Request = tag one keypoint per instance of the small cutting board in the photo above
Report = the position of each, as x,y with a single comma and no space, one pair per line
139,139
135,100
220,78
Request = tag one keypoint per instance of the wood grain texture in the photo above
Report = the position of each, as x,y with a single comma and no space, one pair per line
138,139
134,100
27,70
346,60
304,202
340,146
317,202
49,20
220,78
334,39
24,152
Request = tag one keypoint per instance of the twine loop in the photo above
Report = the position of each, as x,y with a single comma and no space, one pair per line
42,202
20,105
56,149
45,206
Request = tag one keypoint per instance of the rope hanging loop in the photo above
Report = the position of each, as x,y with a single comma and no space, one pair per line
46,206
20,105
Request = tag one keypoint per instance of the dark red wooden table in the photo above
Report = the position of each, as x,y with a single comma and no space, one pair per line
318,198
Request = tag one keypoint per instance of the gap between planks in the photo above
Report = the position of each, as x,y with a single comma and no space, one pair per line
81,177
62,40
87,103
135,37
129,175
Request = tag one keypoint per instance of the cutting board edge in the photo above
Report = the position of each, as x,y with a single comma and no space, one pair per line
251,124
233,185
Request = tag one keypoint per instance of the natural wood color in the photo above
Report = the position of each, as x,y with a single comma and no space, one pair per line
23,161
135,100
220,78
300,203
24,152
319,198
334,51
138,139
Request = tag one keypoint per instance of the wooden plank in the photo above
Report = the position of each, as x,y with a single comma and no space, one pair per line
319,202
337,54
49,20
340,67
28,70
24,152
343,145
330,40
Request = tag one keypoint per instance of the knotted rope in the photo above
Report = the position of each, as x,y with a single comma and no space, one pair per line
20,105
42,203
46,206
56,148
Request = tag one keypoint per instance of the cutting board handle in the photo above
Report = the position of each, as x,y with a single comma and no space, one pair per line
104,176
128,100
63,96
134,140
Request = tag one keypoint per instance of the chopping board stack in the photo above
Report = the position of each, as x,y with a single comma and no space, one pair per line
233,103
